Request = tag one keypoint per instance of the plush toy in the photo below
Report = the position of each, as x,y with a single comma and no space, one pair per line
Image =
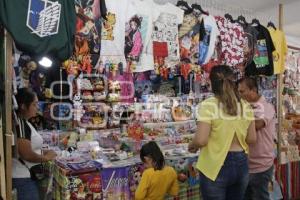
27,66
86,65
77,100
73,139
71,66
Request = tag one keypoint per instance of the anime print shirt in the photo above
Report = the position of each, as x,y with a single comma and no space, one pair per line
233,40
165,34
263,57
208,43
113,35
251,34
138,30
190,33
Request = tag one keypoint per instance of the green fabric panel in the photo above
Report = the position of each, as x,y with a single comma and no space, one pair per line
13,14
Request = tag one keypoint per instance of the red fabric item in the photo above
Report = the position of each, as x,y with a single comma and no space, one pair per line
185,70
207,67
164,72
160,49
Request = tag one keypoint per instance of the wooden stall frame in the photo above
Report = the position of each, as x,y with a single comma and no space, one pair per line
8,112
279,95
2,160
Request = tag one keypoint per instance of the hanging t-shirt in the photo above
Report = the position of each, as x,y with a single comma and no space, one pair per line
190,33
263,58
25,130
165,34
208,43
251,34
233,42
138,31
280,53
88,28
41,27
113,34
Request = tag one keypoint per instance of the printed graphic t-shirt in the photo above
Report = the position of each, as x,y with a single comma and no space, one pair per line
208,43
280,53
166,31
233,41
138,32
39,28
190,33
251,34
263,58
113,33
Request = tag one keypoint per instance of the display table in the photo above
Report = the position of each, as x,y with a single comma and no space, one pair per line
119,180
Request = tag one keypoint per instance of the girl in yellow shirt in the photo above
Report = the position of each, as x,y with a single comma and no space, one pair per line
157,179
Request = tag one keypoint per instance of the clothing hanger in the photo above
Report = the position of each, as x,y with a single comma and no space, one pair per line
185,5
271,24
198,7
255,21
229,17
241,20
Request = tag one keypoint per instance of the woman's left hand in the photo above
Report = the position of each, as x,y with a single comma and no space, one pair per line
192,148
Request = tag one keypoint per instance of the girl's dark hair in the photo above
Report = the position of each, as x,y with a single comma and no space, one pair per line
137,20
152,150
225,89
25,96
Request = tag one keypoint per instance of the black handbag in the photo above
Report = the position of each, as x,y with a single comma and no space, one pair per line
37,172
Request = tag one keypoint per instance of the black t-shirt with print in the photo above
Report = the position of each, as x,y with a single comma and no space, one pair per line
251,34
263,60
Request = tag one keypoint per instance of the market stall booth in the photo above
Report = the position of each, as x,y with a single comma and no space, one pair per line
111,76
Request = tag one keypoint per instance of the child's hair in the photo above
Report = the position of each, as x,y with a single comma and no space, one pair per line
152,150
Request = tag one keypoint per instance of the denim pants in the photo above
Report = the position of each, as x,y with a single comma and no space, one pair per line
231,182
258,187
27,189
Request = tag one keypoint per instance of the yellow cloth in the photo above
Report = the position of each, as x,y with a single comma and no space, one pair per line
155,184
223,129
278,38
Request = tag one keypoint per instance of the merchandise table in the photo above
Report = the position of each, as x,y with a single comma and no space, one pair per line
119,180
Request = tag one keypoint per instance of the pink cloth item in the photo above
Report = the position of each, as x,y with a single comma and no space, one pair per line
261,154
137,44
234,41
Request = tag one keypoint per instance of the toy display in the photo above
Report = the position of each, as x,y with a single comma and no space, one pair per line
290,142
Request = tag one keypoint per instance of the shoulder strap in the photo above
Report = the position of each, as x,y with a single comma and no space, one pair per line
23,163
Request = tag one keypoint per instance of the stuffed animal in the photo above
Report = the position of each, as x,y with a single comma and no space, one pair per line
71,66
86,64
27,65
73,139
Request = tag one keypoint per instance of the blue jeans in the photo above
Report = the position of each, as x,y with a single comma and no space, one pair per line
27,189
258,187
231,182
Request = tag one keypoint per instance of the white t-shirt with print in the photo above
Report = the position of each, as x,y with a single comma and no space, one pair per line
166,30
212,32
20,170
148,12
113,33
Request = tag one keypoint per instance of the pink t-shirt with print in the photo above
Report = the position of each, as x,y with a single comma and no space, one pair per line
261,154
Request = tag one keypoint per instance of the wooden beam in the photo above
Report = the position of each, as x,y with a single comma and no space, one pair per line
8,113
2,160
279,95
